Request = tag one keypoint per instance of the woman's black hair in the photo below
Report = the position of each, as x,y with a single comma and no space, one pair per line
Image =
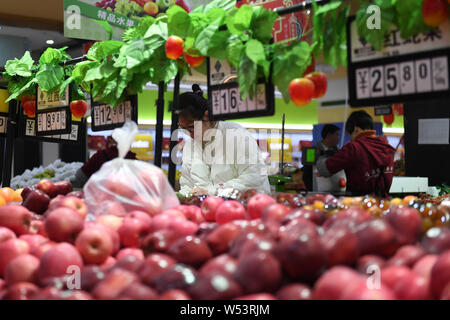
192,104
359,119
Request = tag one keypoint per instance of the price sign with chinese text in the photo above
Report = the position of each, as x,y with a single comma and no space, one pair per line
27,129
53,114
3,123
225,96
105,117
405,70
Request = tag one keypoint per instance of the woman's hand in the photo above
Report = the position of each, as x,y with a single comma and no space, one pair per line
199,192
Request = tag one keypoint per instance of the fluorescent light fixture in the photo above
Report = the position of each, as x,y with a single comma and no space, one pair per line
50,42
393,130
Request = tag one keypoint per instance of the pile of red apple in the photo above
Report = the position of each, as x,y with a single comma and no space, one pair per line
257,248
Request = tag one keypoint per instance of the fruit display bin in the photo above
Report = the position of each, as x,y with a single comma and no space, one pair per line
256,246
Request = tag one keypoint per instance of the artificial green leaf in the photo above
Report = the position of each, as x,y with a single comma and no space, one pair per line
227,5
255,51
262,23
178,20
105,70
104,49
239,20
409,18
198,23
375,37
289,63
216,44
203,40
76,93
62,88
215,14
105,25
132,54
158,29
328,7
247,77
234,52
81,68
50,77
53,56
318,22
30,85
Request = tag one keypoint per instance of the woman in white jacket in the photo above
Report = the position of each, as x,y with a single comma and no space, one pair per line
221,156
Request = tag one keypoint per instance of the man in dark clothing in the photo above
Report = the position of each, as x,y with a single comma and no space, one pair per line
96,161
328,146
367,160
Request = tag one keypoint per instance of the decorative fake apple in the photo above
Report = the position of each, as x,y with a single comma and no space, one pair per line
78,108
174,47
301,91
320,83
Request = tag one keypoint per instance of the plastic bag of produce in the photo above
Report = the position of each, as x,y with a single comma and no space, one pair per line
128,185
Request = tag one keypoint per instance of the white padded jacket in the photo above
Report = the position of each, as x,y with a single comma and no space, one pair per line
230,159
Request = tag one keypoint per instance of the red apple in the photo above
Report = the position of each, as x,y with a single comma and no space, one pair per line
151,205
162,221
11,249
275,212
320,83
434,12
63,225
178,276
119,186
209,207
356,214
182,227
204,229
26,191
142,216
257,296
191,213
129,263
36,201
230,210
111,221
367,261
56,261
90,276
33,240
74,203
295,291
302,258
190,250
296,228
257,204
6,234
194,61
425,264
21,291
406,223
406,256
301,91
159,241
405,284
130,252
114,284
220,239
258,272
154,265
22,269
42,248
95,245
112,233
37,227
315,216
333,282
16,218
78,194
174,47
138,291
109,262
78,108
29,107
436,240
174,294
224,264
360,291
215,287
255,244
376,237
47,187
63,187
440,274
132,231
341,245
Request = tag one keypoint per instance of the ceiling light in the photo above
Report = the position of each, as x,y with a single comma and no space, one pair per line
50,42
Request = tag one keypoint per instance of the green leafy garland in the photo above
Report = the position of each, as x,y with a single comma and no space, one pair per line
242,36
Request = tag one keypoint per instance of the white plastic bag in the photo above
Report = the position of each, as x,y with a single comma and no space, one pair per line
127,185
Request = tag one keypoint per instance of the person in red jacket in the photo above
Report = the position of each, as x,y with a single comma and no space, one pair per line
367,160
96,161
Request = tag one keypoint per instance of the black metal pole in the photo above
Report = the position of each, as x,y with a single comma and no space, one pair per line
282,146
173,127
10,135
159,124
299,7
